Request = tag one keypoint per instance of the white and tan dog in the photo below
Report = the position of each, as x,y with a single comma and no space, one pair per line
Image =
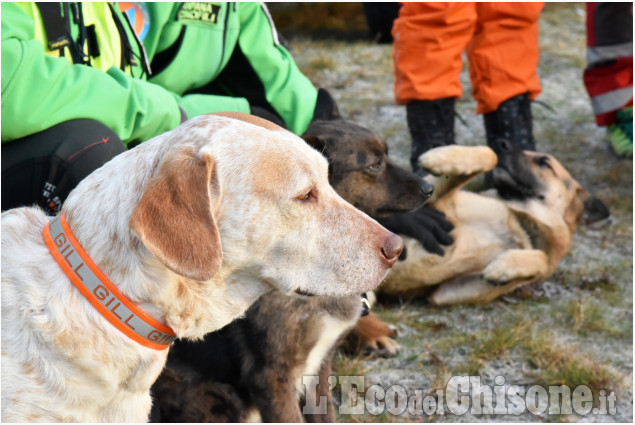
191,227
503,238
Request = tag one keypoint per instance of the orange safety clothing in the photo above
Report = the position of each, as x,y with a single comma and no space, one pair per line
501,41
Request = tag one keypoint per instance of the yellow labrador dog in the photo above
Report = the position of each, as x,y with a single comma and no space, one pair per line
504,238
174,238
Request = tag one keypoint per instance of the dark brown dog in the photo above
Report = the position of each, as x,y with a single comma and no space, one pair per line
256,364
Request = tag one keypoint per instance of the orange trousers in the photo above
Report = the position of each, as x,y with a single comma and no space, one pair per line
500,39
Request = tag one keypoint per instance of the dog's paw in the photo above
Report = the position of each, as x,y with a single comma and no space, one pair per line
372,336
516,264
383,346
499,273
458,160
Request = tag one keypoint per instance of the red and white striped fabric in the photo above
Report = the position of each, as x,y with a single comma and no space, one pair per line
609,74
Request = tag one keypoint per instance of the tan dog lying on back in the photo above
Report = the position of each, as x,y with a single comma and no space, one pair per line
191,227
504,238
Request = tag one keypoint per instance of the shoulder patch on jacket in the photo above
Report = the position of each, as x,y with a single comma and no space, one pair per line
138,16
198,12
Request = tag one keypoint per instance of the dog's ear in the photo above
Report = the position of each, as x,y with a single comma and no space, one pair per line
174,218
316,142
594,210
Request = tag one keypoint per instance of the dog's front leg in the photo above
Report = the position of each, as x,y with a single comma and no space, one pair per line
454,166
322,389
373,336
456,160
516,264
275,396
509,270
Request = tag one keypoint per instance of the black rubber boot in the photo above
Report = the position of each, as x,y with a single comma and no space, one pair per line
511,121
431,124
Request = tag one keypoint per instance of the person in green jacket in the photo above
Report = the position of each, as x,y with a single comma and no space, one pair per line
81,82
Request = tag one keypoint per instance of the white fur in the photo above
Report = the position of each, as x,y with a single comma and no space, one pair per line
62,361
333,329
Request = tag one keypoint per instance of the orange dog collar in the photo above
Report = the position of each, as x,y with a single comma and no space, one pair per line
101,293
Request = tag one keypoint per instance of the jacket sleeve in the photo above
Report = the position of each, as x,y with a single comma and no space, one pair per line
39,90
183,70
200,104
269,76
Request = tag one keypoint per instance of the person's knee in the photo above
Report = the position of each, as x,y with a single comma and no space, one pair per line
86,145
55,160
82,135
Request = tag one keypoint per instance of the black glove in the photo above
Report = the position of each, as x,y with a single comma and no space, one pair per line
427,225
267,115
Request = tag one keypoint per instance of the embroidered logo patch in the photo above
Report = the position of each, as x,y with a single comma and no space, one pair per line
198,12
139,17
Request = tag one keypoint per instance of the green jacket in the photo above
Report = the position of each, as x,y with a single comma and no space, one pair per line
203,57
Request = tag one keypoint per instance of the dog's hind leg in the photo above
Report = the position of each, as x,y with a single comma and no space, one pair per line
467,289
472,289
508,271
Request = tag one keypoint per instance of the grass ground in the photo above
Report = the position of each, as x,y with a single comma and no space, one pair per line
577,327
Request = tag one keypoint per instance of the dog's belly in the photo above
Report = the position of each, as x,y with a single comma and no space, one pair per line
484,227
422,269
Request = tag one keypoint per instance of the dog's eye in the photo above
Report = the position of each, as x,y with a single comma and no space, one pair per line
375,166
543,162
306,196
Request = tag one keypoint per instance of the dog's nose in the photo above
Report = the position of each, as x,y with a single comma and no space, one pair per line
393,245
426,188
502,146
